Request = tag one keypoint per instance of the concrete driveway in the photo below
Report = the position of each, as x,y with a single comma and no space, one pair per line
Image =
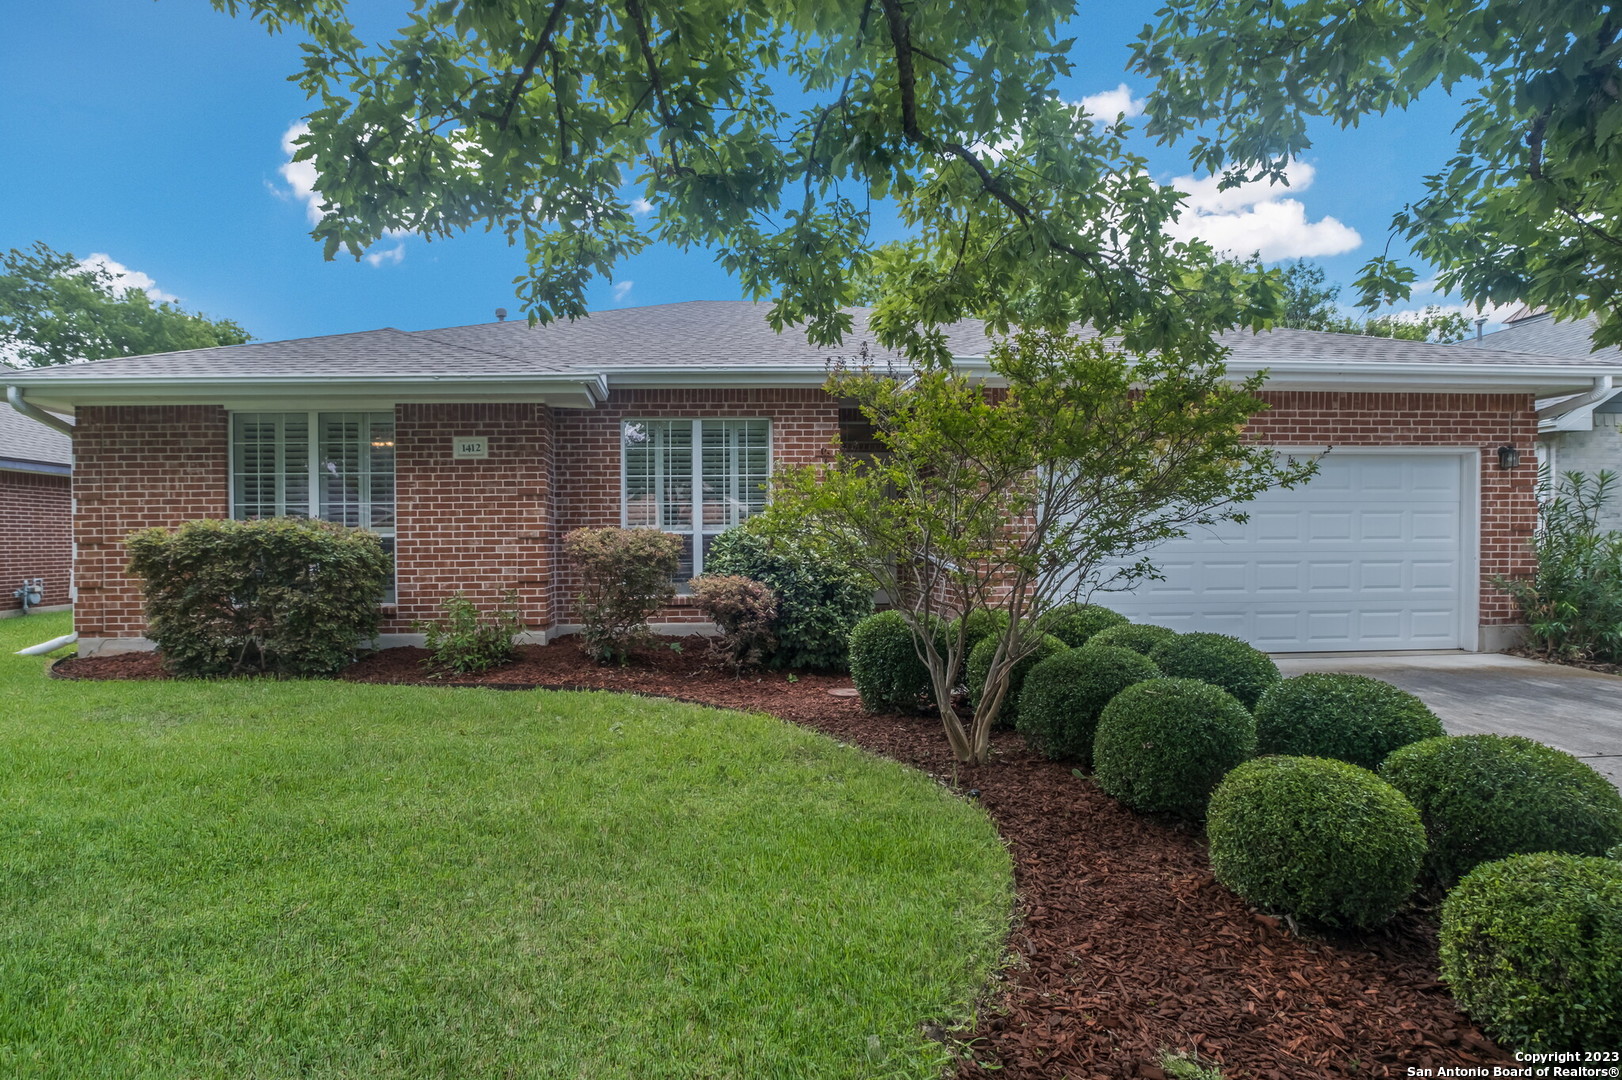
1577,711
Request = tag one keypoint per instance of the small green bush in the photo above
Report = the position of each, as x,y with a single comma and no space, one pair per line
819,599
1138,637
1164,744
1485,797
283,596
981,624
1349,717
743,611
626,576
465,642
885,667
1063,696
1572,602
1075,624
979,666
1241,670
1315,838
1531,947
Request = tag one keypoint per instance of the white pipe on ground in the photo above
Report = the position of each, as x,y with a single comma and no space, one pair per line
48,646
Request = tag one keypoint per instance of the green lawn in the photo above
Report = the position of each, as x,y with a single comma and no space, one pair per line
317,879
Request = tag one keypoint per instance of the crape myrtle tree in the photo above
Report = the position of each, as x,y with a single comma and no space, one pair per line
766,132
1527,209
1027,486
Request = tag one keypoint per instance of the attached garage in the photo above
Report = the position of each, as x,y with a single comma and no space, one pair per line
1377,552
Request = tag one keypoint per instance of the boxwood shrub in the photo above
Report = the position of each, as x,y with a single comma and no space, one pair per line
1485,797
1075,624
1319,839
981,623
1241,670
282,596
1063,696
1350,717
1163,744
1531,947
979,666
819,598
1139,637
885,667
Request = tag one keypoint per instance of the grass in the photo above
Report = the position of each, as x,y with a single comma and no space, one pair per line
316,879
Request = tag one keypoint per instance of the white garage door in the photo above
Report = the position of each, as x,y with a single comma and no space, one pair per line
1368,555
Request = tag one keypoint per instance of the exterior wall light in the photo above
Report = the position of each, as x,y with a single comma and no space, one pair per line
1508,457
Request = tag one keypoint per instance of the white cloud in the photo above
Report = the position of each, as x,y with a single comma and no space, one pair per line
640,206
1258,217
1106,105
125,279
299,176
622,290
388,257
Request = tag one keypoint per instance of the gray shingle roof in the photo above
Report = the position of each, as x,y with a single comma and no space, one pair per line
25,440
1544,334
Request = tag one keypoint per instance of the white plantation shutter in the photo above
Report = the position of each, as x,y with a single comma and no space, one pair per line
666,487
270,465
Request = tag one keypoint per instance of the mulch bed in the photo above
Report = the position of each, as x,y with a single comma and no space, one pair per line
1126,946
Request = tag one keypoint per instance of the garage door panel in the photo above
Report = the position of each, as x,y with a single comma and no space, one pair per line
1368,555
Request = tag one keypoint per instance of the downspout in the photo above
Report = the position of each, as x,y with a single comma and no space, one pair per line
34,412
49,646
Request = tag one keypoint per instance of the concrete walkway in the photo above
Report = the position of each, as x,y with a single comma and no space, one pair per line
1577,711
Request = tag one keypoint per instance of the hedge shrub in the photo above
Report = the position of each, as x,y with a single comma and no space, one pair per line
1531,947
982,623
626,578
1063,696
1220,660
819,599
979,666
284,596
1139,637
885,667
744,612
1350,717
1485,797
1075,624
1164,744
1316,838
466,641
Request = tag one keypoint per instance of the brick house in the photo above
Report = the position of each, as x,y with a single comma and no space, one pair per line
36,512
472,450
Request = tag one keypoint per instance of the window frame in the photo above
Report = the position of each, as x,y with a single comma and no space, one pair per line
696,482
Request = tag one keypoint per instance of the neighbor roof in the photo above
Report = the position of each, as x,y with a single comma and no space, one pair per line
1543,333
29,446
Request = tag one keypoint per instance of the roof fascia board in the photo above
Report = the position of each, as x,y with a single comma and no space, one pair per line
40,467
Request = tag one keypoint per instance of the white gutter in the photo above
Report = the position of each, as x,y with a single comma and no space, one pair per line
49,646
1576,413
33,412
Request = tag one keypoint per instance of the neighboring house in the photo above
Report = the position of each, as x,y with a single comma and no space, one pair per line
1576,432
36,511
472,450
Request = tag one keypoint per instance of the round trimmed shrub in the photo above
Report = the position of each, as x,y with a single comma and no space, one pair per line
979,666
1316,838
1240,669
1350,717
1485,797
1075,624
885,667
1139,637
1532,949
1164,744
1064,695
982,623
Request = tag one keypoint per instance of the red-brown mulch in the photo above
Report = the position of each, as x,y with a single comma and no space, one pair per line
1125,947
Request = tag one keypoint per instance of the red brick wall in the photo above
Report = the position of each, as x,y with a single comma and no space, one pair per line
36,535
134,467
804,423
481,526
1508,497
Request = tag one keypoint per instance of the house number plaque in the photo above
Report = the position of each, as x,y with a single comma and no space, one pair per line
470,446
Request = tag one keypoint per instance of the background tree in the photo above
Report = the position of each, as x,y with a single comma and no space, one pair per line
1030,498
1527,210
764,130
55,310
1310,304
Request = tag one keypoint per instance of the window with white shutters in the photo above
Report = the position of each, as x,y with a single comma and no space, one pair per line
694,478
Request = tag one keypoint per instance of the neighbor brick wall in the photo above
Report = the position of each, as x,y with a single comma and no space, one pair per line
1488,421
134,467
36,535
804,423
481,526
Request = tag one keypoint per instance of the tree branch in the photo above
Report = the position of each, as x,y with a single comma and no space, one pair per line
542,44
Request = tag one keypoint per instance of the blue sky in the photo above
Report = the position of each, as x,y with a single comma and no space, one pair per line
152,133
